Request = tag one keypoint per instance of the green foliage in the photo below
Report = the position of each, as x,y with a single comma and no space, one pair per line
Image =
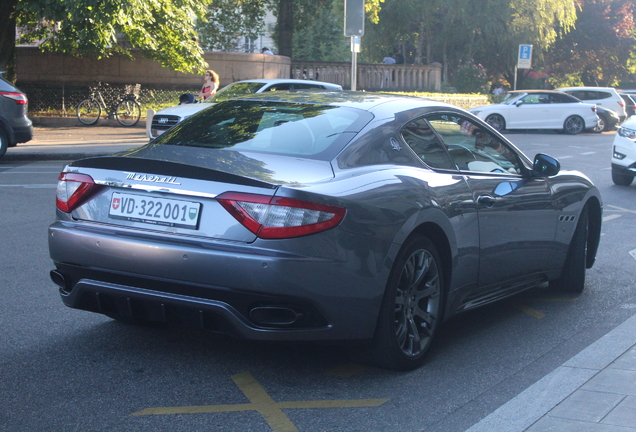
161,29
323,39
470,78
226,22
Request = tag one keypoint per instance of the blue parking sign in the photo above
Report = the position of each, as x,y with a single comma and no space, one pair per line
525,57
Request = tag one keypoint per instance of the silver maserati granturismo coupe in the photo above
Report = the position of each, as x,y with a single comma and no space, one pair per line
320,216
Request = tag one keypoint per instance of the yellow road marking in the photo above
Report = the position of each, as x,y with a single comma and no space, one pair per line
532,312
347,370
260,401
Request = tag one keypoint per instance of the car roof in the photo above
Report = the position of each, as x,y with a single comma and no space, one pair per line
535,91
610,89
368,101
272,81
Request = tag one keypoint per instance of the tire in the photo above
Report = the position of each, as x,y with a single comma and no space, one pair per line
622,179
496,121
572,277
573,125
88,111
4,143
128,112
412,307
601,125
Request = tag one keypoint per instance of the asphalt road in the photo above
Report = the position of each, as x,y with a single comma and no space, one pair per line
68,370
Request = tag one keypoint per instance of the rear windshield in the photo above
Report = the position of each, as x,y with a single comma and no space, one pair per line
295,129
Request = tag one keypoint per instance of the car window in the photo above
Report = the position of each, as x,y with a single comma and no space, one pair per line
307,130
234,90
562,98
603,95
472,147
423,141
534,98
5,85
284,86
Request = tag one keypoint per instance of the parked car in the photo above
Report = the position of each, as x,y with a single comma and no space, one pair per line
539,109
624,153
630,103
607,119
166,118
607,97
320,216
15,126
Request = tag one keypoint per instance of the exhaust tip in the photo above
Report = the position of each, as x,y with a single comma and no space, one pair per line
275,315
59,280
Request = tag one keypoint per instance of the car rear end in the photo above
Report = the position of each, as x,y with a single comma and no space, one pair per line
624,154
182,232
14,123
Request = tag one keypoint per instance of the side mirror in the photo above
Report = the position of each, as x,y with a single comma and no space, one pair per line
545,166
518,103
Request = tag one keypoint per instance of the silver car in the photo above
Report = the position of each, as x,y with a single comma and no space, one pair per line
320,217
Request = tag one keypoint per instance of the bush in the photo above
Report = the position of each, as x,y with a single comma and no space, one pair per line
470,78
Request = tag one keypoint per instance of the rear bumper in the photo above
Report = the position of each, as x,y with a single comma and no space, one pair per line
23,134
218,288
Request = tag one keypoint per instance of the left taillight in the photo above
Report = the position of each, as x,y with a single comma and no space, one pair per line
72,190
279,217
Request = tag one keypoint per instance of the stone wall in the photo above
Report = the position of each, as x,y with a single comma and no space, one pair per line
35,67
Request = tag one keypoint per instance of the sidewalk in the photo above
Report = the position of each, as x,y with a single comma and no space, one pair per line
67,139
594,391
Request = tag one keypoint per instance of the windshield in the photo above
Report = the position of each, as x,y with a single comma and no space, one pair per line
299,129
511,97
235,90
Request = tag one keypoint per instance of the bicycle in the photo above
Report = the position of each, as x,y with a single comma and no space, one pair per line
126,109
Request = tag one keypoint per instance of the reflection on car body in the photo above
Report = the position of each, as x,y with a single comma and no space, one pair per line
320,216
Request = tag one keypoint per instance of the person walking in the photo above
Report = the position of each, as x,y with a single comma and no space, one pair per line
388,60
210,84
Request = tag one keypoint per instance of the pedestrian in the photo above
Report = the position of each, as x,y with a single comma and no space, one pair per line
267,51
389,61
210,84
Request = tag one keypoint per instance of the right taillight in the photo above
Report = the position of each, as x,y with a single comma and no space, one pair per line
72,190
279,217
19,98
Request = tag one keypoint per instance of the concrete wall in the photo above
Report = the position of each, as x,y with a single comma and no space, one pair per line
33,66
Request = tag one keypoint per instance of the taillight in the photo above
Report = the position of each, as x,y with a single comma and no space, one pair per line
72,190
280,217
19,98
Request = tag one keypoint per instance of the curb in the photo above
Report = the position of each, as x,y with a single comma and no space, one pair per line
74,122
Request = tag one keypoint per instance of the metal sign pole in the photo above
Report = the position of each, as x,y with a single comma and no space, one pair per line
355,47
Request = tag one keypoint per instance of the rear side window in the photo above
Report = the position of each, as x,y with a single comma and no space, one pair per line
304,130
5,86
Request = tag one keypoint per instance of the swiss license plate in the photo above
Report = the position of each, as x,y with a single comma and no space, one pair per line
155,211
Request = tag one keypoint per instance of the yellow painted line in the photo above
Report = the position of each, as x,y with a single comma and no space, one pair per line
265,405
610,217
260,401
532,312
347,370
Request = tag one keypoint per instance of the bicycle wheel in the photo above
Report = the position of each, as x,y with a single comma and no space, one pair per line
128,112
88,111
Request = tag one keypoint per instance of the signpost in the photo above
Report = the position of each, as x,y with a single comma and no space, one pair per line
524,59
354,28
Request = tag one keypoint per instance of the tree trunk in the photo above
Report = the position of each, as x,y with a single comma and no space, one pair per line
285,27
7,39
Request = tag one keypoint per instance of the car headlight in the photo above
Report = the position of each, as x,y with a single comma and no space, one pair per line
627,133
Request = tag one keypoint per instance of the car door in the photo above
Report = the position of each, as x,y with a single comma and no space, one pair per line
516,212
532,112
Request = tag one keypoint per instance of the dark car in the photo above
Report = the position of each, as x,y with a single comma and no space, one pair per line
630,103
15,126
607,119
305,216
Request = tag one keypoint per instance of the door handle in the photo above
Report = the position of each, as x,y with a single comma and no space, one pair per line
487,200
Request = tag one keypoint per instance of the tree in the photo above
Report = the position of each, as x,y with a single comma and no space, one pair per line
599,52
227,21
163,30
